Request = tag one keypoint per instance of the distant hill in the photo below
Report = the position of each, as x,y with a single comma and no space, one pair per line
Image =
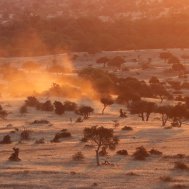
35,27
105,9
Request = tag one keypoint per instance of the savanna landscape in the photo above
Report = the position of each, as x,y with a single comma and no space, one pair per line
94,94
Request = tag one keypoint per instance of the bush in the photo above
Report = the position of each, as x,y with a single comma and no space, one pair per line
126,128
84,139
3,114
70,106
42,121
40,141
155,152
181,166
180,186
140,153
122,152
166,179
60,135
79,120
23,109
6,140
46,106
78,156
25,134
59,108
32,102
15,155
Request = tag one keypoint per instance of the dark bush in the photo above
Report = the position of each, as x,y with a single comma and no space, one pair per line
140,153
79,120
25,135
84,139
15,155
78,156
40,141
59,108
60,135
3,113
32,101
23,109
122,152
181,166
42,121
46,106
126,128
6,140
70,106
155,152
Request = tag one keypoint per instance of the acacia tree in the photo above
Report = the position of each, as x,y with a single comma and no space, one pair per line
85,111
102,60
116,62
59,108
142,108
165,113
106,101
160,91
178,114
165,55
178,67
154,80
102,138
3,113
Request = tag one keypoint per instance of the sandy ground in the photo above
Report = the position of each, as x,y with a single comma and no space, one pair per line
50,165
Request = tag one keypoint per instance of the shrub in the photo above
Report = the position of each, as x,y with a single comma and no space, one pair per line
23,109
70,106
15,155
78,156
60,135
32,101
59,108
42,121
140,153
25,134
131,174
126,128
6,140
79,120
181,166
40,141
46,106
180,186
155,152
122,152
166,179
3,113
84,139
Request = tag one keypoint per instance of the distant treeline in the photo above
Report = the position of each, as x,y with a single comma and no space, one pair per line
36,36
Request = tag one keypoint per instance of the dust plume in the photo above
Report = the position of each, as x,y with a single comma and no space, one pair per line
55,75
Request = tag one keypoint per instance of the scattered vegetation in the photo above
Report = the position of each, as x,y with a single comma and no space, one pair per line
78,156
140,153
15,155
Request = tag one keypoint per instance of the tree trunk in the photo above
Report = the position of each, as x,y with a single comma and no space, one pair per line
103,109
161,99
97,157
147,116
164,119
142,116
